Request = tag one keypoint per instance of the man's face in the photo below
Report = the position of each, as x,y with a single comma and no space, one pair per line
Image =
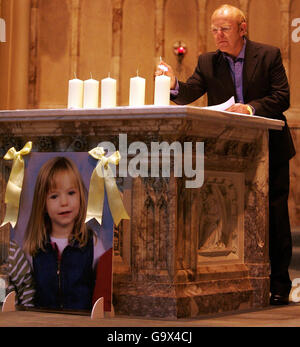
228,33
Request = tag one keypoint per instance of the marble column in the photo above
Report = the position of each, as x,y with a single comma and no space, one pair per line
32,70
18,82
285,33
75,14
159,30
202,26
116,41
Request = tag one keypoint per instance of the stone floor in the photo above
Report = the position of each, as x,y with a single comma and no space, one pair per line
271,316
287,316
284,316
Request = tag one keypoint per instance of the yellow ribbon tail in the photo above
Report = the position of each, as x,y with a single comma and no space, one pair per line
95,198
115,202
15,183
13,191
10,216
102,176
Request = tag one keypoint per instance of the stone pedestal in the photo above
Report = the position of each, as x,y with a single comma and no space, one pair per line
185,251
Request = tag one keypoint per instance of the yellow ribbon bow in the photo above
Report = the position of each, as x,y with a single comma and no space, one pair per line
15,183
103,176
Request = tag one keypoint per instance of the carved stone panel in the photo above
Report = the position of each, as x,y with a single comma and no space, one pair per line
156,223
220,218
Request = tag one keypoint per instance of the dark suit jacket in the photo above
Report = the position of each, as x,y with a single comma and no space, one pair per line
265,87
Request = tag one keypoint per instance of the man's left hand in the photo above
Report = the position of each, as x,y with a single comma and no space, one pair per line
240,108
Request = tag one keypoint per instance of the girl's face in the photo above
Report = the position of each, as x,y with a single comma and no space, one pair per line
63,203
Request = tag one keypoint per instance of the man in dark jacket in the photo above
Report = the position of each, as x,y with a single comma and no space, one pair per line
254,74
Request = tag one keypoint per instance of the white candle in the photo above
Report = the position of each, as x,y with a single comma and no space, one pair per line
162,90
137,91
75,93
108,92
91,93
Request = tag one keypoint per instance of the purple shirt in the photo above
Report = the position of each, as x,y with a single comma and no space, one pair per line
236,69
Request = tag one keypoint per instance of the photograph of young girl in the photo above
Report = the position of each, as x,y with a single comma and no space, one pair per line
64,252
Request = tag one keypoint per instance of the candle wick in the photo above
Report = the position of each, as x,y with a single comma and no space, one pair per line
137,72
91,75
75,75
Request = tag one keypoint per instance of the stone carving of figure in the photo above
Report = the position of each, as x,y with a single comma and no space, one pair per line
212,220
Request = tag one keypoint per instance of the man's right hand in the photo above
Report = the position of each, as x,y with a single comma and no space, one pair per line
165,69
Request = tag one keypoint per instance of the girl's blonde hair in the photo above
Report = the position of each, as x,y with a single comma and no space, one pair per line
39,225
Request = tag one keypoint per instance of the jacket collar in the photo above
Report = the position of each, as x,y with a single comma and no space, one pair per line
250,64
222,70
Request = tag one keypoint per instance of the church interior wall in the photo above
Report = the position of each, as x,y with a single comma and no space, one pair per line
50,42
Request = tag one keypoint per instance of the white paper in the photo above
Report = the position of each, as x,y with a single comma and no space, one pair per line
222,107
